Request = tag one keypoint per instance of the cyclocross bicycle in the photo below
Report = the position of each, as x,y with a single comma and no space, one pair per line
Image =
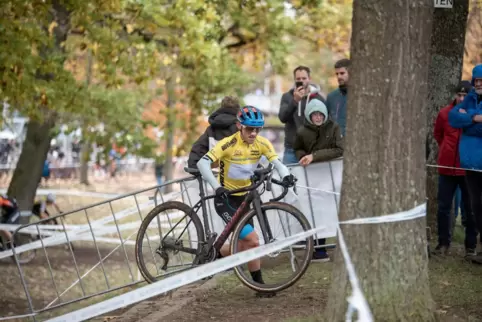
209,244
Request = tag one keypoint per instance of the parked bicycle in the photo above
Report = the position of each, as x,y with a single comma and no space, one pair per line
208,242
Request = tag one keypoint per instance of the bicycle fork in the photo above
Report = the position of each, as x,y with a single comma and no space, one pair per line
263,220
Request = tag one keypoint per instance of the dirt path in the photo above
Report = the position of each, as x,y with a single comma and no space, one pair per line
455,285
160,308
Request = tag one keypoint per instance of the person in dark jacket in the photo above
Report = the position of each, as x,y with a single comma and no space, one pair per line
317,141
336,100
292,108
450,178
468,117
222,123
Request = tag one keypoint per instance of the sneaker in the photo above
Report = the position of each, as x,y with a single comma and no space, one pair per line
470,252
320,257
441,250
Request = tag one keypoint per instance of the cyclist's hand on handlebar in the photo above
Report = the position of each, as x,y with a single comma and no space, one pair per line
222,192
289,181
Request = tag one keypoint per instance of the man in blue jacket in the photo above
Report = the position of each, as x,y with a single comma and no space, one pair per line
336,100
468,116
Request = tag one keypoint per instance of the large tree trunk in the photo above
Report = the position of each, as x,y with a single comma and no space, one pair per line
170,126
445,70
28,171
384,161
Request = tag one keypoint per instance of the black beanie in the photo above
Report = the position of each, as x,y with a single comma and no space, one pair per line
463,87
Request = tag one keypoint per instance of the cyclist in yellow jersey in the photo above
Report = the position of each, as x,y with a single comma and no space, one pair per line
239,155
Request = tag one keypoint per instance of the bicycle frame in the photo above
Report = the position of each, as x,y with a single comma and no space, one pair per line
252,196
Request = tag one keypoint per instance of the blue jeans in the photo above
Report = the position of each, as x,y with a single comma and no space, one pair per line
289,156
159,180
457,205
447,186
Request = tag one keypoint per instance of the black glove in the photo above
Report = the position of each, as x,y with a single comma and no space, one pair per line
289,181
222,192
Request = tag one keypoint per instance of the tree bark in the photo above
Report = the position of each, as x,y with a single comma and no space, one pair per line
384,161
28,171
445,70
168,167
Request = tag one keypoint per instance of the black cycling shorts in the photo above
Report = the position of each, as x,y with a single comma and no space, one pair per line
9,216
226,208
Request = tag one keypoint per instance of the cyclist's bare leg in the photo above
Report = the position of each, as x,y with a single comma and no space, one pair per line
252,241
225,250
6,236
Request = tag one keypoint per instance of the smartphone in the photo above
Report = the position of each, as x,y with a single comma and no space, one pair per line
298,84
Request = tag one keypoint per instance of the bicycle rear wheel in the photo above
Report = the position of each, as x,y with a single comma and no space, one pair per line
26,256
286,260
178,218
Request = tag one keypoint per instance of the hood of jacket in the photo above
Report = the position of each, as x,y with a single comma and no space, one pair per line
315,105
223,118
476,73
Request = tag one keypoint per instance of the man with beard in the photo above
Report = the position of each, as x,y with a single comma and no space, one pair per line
292,108
468,116
336,100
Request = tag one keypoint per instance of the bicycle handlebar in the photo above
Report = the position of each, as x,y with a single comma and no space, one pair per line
258,178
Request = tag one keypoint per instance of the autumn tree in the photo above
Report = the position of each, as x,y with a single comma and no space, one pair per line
445,71
36,33
384,167
473,38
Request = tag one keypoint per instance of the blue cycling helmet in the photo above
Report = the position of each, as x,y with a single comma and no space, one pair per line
250,116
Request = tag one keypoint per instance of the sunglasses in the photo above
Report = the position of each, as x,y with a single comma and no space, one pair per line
251,129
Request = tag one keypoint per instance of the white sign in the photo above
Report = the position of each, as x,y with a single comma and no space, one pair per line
443,3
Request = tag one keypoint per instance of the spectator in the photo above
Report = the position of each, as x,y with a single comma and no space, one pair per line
292,108
468,116
450,178
336,100
159,167
222,123
319,140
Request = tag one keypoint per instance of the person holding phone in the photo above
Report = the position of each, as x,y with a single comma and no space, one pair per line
292,109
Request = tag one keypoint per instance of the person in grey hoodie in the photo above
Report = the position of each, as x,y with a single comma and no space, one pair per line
222,123
292,109
336,100
317,141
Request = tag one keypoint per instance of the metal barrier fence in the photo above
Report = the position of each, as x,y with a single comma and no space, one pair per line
89,253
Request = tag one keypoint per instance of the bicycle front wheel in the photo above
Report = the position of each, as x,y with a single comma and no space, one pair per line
282,268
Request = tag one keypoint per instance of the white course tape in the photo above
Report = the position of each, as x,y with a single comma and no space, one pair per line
76,193
182,279
316,189
356,300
